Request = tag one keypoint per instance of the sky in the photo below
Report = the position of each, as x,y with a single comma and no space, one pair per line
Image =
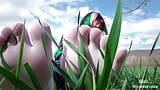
141,26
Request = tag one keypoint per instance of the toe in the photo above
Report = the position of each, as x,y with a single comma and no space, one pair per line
17,31
103,42
85,32
119,59
6,37
95,36
94,45
37,30
120,55
72,36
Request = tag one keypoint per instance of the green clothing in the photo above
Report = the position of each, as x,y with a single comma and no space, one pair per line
58,53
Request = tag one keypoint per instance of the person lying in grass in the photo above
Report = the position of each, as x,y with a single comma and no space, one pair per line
34,54
95,34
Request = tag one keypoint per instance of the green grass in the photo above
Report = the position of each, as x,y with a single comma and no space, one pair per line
111,48
134,78
88,78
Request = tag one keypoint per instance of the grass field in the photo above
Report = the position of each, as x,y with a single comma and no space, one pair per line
135,80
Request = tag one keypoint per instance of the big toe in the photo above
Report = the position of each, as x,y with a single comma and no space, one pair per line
6,32
37,29
94,45
73,36
95,36
85,32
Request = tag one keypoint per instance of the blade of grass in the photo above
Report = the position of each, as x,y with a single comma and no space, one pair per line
129,50
81,49
78,84
81,61
130,46
76,51
48,62
20,55
13,79
124,84
97,73
156,69
88,81
2,80
101,52
70,72
44,45
124,66
33,77
49,34
78,21
64,74
154,44
154,73
94,78
111,48
146,67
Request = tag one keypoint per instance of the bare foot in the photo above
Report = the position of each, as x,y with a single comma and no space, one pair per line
33,53
93,40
